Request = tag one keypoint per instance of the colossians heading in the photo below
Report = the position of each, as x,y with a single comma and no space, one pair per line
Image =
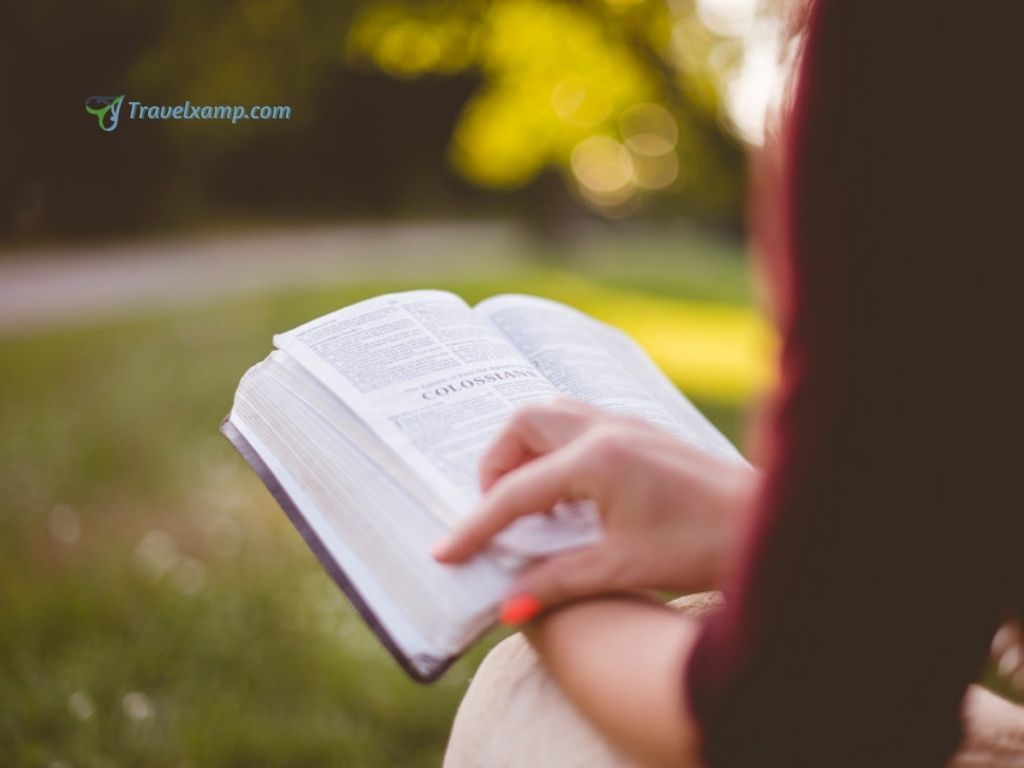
472,382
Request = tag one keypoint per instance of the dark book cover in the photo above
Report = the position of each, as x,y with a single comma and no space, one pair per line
421,668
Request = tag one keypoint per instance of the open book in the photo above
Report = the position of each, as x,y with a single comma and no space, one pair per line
368,424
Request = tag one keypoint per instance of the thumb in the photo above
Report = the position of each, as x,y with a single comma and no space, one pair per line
560,578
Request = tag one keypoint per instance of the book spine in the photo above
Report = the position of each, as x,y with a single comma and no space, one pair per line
422,669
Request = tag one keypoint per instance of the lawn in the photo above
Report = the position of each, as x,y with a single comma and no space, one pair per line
155,606
156,609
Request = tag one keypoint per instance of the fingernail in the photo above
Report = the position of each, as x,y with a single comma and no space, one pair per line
440,548
519,609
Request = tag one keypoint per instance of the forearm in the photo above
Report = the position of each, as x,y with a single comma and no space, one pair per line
621,662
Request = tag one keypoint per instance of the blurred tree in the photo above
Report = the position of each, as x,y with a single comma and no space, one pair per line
397,108
618,94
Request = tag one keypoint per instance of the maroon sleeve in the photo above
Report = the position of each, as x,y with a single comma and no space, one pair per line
887,540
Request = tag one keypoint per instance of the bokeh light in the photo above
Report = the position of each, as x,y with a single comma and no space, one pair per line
603,168
649,129
579,105
729,18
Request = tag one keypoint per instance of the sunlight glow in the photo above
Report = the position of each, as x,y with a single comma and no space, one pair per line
713,351
729,18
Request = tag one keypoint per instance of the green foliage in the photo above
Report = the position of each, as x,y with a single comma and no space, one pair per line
553,74
556,74
397,106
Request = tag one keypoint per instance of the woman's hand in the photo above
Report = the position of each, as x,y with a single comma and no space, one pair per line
672,513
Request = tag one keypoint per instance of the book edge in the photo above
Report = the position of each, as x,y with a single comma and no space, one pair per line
329,563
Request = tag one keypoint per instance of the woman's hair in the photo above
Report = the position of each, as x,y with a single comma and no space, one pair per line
887,542
888,221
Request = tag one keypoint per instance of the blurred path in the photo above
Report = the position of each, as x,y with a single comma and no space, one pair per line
42,287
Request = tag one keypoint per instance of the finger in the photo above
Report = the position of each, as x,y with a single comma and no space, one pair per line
1008,651
1007,636
1011,661
533,487
533,431
570,576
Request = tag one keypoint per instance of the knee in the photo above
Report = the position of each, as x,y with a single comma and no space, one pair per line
514,716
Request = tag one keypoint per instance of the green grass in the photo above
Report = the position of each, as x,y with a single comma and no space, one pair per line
155,607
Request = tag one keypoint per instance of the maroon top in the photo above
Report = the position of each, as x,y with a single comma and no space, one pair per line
889,537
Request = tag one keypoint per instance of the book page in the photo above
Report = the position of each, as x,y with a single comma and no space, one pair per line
588,360
433,379
373,519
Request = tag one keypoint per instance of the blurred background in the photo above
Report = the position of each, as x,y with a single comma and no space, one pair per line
536,110
156,608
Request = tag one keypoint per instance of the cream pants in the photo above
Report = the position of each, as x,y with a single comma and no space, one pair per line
514,716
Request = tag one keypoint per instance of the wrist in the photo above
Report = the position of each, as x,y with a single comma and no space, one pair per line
568,616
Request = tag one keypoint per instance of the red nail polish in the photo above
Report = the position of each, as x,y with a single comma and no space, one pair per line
519,609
